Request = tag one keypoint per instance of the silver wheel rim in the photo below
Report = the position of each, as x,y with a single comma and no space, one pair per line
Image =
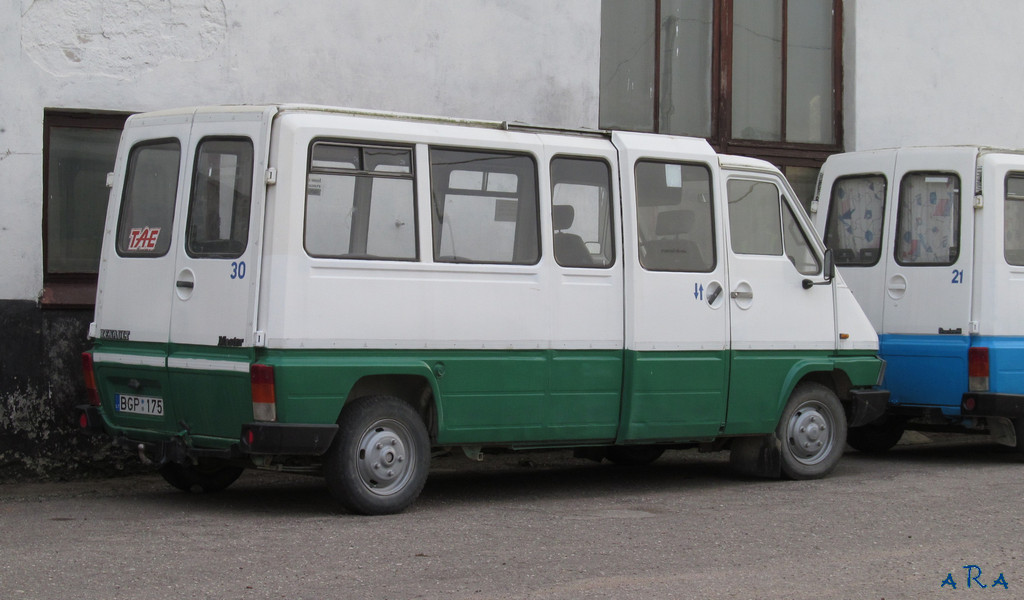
810,433
385,459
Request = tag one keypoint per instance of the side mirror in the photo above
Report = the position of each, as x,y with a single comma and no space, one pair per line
829,271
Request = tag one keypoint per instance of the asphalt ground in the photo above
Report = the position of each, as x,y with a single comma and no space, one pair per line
908,524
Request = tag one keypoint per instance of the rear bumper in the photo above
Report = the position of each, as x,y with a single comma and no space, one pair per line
866,406
992,405
284,439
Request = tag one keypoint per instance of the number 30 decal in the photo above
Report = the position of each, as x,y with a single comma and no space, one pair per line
958,276
238,270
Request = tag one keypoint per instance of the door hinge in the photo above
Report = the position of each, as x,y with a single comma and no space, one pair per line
270,177
259,339
973,327
979,201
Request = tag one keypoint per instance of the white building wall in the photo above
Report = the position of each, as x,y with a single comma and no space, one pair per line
519,60
922,72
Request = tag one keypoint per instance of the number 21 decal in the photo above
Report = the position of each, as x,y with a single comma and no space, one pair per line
958,276
238,269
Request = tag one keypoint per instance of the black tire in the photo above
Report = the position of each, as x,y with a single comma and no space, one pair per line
812,432
877,437
634,455
208,476
1018,429
378,462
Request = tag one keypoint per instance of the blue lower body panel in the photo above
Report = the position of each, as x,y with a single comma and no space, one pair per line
925,370
930,371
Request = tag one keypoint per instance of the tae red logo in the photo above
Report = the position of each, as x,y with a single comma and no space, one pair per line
143,239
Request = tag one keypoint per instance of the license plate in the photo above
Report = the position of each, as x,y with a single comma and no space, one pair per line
139,405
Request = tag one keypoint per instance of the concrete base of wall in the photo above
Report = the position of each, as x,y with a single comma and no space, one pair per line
40,383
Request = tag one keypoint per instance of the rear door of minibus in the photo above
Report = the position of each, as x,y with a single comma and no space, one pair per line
217,267
929,273
133,300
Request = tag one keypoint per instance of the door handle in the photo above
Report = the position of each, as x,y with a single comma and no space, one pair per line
742,295
185,284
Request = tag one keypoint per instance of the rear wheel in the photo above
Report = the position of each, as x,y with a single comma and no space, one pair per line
877,437
207,475
812,431
379,460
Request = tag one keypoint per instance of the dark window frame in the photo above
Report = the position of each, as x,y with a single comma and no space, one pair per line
830,223
612,250
487,153
69,290
1018,258
361,145
711,203
780,153
957,223
190,243
127,197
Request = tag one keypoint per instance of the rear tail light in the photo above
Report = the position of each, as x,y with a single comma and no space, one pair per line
977,369
91,392
264,400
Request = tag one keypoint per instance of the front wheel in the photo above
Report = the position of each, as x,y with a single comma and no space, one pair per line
379,460
812,432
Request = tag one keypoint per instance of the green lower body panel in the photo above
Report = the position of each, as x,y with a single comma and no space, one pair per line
674,396
487,397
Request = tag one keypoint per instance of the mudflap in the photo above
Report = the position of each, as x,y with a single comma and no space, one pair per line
758,456
866,406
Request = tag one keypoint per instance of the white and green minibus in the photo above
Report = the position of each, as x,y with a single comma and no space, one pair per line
343,292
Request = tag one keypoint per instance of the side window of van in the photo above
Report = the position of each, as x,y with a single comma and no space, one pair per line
484,207
755,218
799,250
147,207
675,222
1013,220
928,220
761,221
360,202
855,219
218,211
581,212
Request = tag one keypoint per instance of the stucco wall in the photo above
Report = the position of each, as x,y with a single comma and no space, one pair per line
922,72
523,60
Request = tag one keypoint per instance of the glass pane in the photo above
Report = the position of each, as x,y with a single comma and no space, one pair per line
674,217
484,207
368,211
928,222
79,160
755,224
147,210
809,72
686,38
218,213
804,180
798,248
330,204
1013,220
854,225
757,70
627,65
581,213
392,226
